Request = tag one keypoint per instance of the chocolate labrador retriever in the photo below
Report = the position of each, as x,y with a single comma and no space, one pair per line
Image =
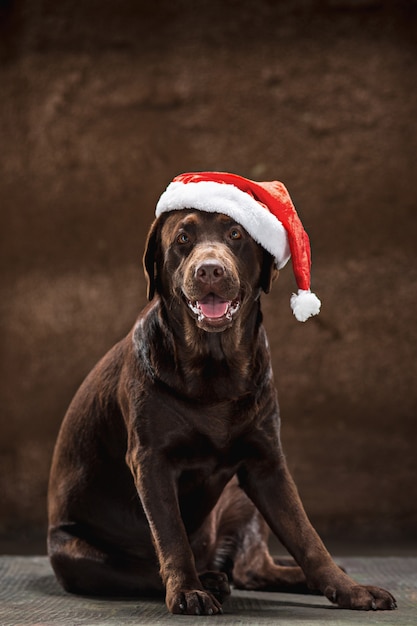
168,470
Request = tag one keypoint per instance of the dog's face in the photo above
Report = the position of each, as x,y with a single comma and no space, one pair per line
209,264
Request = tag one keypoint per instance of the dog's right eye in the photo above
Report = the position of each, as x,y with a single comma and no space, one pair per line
183,238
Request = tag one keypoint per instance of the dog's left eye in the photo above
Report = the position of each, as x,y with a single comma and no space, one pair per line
235,234
183,238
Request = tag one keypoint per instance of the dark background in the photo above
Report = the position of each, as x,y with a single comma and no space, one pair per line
101,104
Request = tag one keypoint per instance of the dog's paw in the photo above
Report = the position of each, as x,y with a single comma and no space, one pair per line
193,602
361,597
217,584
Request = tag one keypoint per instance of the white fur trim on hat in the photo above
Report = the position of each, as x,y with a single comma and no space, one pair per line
216,197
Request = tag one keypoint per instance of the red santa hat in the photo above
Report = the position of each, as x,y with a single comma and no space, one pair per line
266,212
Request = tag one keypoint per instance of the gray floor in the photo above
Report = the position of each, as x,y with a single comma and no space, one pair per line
30,595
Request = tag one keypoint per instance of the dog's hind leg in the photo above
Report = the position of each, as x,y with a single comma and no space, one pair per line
242,548
255,569
234,542
87,570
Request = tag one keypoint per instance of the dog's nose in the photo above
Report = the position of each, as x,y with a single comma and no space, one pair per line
209,272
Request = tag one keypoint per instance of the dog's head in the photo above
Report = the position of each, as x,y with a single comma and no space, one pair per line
207,264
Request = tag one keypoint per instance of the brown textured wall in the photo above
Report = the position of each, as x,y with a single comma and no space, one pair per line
102,103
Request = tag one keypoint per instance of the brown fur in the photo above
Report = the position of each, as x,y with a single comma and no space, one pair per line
168,469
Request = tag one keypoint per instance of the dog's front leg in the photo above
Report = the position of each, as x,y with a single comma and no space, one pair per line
274,493
157,489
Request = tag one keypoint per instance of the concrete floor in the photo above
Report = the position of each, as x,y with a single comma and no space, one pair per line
30,595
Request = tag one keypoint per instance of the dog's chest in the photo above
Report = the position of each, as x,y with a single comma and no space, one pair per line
207,462
214,382
212,438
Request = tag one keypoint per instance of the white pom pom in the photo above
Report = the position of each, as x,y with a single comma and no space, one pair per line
305,304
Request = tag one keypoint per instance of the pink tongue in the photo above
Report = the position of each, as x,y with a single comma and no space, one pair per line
212,306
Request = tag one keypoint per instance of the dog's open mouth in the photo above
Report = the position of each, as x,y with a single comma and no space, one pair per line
214,309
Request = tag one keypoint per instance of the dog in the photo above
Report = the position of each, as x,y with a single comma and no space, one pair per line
168,472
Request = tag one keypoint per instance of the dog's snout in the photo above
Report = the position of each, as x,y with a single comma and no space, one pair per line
209,272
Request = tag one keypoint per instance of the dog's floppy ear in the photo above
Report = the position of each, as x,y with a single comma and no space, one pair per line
269,272
150,258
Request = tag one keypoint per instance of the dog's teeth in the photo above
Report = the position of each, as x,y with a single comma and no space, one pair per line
197,310
234,308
